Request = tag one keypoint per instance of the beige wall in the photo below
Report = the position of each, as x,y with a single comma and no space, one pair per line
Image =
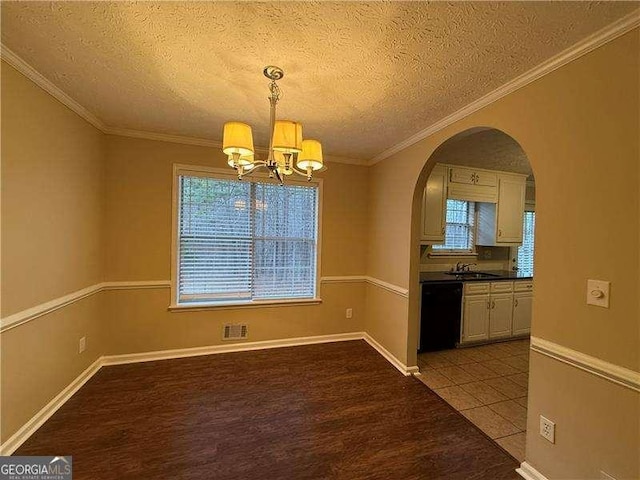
138,209
52,180
579,128
138,320
138,239
52,196
598,423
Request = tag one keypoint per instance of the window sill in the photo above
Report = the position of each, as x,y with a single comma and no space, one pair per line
452,254
184,307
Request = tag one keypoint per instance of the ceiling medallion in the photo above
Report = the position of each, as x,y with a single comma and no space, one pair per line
288,152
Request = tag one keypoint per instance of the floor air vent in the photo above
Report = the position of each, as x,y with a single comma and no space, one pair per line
234,332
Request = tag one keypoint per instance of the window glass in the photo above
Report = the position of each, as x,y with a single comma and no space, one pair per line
244,241
525,251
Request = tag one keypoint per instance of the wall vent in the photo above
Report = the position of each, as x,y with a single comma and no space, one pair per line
234,332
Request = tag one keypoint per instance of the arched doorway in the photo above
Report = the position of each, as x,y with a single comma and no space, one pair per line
473,225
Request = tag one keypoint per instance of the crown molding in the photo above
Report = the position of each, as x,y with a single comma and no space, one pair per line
584,46
36,77
205,142
162,137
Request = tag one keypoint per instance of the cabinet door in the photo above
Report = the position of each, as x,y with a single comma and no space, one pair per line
510,211
434,202
500,315
522,303
462,175
475,319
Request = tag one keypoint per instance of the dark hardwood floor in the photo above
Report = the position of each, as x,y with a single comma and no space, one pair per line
329,411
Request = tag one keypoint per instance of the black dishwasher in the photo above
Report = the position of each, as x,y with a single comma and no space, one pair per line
440,315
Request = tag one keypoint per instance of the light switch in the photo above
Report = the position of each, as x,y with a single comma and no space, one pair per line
598,293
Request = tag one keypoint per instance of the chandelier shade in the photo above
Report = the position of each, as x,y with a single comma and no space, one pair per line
287,136
237,139
311,155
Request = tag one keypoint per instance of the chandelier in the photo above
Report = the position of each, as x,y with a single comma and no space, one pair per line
288,152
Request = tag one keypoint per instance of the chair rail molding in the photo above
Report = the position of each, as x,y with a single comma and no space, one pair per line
24,316
609,371
403,292
16,319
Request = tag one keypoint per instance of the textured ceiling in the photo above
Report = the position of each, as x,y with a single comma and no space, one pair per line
484,148
360,76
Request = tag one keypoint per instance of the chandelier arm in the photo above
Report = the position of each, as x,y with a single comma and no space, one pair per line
307,174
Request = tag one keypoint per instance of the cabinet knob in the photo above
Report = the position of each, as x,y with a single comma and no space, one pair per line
499,233
488,304
477,178
443,230
516,302
493,304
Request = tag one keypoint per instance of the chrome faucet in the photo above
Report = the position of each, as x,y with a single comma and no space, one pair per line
464,267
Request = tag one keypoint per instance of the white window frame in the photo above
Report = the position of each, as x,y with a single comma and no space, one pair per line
227,174
460,252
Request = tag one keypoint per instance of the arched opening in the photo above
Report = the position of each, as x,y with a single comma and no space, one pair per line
473,228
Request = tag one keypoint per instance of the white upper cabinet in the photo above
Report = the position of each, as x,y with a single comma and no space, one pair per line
473,185
511,192
501,223
499,198
434,203
473,177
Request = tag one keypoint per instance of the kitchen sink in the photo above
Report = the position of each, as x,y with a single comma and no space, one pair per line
472,274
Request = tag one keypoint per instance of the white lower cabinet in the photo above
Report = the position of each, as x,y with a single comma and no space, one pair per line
496,315
500,315
475,318
522,303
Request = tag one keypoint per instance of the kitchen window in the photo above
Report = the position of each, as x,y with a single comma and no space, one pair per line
244,242
459,229
525,251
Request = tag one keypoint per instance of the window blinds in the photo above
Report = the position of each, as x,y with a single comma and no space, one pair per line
244,241
525,251
459,229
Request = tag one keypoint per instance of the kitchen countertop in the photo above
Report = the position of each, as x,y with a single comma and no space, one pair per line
426,277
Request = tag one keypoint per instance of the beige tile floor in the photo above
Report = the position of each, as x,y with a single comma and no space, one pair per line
487,384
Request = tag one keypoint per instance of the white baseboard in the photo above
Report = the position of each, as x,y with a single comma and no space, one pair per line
235,347
18,438
527,472
407,371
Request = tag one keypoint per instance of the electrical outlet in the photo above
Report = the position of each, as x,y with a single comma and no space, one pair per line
548,429
349,313
82,345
